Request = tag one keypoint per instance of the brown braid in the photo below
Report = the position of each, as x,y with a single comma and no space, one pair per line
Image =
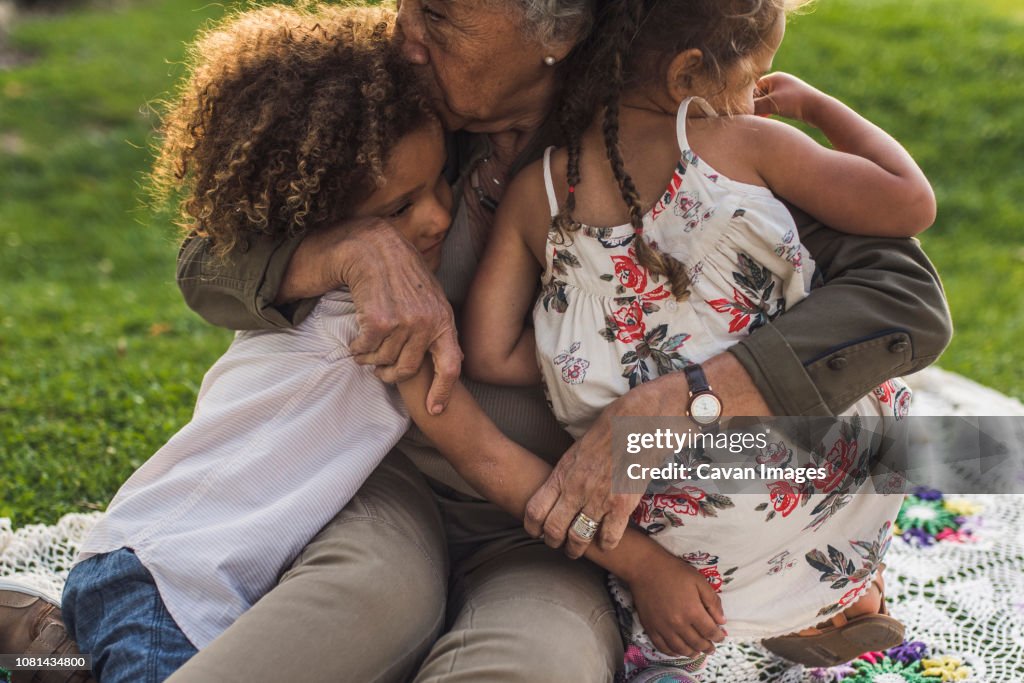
632,43
648,254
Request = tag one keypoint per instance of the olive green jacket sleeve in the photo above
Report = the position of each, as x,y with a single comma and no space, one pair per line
237,291
881,313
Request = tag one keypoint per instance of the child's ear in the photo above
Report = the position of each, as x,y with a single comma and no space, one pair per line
682,71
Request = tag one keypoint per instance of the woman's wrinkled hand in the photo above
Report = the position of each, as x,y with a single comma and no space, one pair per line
402,311
582,481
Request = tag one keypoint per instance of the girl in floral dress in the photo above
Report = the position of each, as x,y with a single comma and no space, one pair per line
681,164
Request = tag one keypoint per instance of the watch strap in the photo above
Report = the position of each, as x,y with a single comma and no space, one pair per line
696,378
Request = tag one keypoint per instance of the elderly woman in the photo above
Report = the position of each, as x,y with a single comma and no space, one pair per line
418,578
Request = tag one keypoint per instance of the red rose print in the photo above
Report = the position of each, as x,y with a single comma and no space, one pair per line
631,275
837,464
901,405
685,501
642,512
885,392
629,321
713,577
784,497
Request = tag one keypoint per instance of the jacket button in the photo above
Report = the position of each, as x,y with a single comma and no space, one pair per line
837,363
898,346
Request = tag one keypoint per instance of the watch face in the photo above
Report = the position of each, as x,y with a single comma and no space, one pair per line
705,408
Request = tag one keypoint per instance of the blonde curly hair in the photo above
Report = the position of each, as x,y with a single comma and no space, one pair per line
284,121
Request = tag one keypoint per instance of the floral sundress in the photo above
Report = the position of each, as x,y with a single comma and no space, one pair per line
783,560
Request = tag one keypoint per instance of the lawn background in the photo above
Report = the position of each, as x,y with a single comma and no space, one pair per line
100,359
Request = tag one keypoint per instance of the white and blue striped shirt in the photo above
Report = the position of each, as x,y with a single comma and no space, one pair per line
286,429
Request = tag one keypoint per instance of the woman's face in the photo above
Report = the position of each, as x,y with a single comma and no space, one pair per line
486,75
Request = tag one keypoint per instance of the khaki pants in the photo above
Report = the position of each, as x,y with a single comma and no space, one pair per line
407,584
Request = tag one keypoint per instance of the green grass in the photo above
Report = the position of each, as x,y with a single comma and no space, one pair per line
947,79
100,360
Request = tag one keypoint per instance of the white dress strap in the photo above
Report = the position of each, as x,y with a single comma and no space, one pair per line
549,184
684,108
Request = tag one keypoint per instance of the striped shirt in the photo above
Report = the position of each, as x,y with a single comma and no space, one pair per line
286,429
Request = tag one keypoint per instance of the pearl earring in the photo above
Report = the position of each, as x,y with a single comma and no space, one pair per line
549,60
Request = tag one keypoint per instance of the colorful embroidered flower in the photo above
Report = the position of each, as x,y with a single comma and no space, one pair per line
954,535
946,668
832,674
925,493
907,652
886,670
918,537
928,515
961,507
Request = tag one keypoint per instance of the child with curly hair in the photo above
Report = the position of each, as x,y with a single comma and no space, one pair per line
288,120
660,241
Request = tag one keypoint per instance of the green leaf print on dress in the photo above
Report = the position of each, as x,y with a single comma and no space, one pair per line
841,571
751,306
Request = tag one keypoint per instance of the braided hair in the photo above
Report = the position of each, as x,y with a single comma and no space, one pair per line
636,37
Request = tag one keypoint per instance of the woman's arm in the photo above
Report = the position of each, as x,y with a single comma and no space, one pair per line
867,185
881,313
498,341
672,598
265,283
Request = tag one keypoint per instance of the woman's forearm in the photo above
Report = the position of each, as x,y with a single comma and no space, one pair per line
501,470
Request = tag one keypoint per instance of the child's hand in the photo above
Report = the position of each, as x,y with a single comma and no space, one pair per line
786,95
677,607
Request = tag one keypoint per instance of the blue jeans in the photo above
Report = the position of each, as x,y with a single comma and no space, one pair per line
112,609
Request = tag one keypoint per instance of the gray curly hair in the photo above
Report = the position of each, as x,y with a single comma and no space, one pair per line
554,21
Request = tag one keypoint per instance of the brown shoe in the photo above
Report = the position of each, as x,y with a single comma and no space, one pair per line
31,624
844,639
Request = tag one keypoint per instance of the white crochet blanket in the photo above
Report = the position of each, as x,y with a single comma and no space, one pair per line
962,595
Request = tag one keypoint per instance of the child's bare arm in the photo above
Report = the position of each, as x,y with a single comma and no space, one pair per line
682,609
867,185
496,339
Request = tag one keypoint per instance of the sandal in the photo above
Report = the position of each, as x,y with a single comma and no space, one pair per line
844,640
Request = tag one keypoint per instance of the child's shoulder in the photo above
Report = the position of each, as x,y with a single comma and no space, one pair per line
741,128
527,196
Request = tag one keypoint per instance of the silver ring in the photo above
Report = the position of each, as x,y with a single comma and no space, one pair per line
585,527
